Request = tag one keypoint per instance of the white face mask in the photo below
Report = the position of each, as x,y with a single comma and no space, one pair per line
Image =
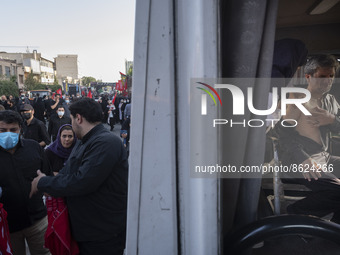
60,113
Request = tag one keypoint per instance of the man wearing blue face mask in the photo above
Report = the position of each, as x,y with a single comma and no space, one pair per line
20,158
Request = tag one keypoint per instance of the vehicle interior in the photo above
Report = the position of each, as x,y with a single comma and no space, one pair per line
169,210
316,24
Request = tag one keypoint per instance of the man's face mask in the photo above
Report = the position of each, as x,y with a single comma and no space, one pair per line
61,113
26,115
8,140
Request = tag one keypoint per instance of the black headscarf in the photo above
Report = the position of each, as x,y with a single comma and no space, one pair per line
289,54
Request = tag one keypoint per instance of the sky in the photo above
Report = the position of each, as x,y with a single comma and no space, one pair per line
100,32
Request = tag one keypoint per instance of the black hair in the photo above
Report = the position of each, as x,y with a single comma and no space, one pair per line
9,117
66,127
88,108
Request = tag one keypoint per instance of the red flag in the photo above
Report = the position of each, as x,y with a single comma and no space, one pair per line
89,94
5,245
58,237
114,99
122,74
59,92
119,85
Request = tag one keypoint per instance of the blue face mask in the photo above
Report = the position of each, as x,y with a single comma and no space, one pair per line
8,140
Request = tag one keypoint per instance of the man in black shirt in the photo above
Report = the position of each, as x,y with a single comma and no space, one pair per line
56,121
94,182
20,159
32,127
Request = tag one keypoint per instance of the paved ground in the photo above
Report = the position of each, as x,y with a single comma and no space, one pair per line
116,129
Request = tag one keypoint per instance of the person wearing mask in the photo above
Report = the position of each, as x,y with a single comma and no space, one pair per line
121,108
3,101
32,127
56,121
306,143
66,104
11,105
111,112
55,103
127,110
94,183
20,158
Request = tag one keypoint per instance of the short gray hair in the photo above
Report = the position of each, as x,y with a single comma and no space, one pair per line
317,61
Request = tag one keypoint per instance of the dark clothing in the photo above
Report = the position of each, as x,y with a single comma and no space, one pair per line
324,197
56,162
48,103
296,148
104,105
94,183
55,123
113,246
16,174
126,126
39,109
4,103
36,130
288,55
67,111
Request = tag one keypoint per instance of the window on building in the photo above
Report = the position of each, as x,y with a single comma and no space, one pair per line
0,70
7,71
14,71
21,79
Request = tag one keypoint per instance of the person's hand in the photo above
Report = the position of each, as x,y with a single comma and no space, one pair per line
311,169
34,184
320,117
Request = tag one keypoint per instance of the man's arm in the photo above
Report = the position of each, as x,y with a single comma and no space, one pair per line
96,166
55,104
43,135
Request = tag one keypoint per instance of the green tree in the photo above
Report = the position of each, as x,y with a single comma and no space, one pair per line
55,81
129,72
30,83
8,87
86,80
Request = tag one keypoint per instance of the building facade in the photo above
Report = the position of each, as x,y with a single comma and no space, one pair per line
67,68
9,68
41,68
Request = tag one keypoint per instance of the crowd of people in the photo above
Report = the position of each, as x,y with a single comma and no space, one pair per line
59,149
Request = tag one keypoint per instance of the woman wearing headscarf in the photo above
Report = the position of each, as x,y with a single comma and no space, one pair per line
59,151
58,237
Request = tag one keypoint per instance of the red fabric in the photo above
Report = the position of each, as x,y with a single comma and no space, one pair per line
59,92
89,94
5,245
119,85
58,237
122,74
83,93
114,99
